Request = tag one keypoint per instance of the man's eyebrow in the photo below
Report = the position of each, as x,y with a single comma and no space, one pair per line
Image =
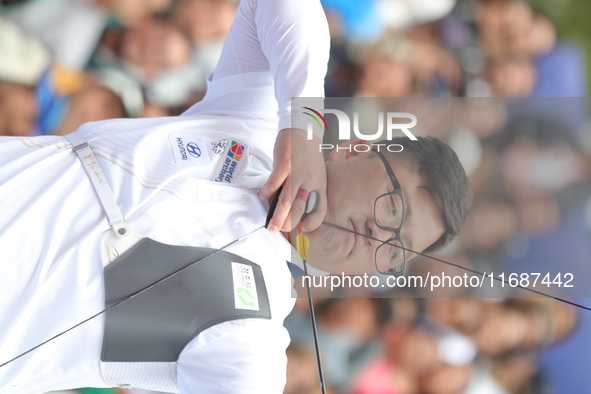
408,246
407,206
407,215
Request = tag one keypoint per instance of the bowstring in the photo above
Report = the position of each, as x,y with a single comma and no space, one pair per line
253,231
459,266
137,293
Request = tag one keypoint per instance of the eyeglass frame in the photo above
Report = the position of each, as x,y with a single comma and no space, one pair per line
396,191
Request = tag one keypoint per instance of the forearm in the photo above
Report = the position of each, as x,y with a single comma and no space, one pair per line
294,37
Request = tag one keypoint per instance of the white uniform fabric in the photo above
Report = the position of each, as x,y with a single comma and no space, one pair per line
52,225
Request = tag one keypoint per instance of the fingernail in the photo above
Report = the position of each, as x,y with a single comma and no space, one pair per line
273,229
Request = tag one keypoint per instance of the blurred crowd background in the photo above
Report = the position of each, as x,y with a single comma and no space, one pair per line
521,129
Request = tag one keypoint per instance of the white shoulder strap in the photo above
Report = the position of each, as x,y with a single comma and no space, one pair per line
97,177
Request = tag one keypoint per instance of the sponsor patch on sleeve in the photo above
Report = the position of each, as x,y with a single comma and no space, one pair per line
245,289
189,149
231,162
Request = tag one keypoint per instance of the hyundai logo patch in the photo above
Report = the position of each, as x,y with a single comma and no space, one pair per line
193,149
188,149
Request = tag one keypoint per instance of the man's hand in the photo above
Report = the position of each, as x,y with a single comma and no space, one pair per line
297,164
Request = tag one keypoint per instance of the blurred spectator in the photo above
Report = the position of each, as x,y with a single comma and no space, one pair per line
402,14
382,376
23,57
302,372
437,72
347,330
387,69
561,73
17,109
91,104
524,53
511,77
67,100
500,216
205,21
153,53
152,46
130,12
505,28
513,326
70,29
447,379
145,50
355,20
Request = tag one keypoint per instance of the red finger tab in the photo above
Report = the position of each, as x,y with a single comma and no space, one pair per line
303,194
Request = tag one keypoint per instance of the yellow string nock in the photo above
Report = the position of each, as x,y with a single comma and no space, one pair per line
302,243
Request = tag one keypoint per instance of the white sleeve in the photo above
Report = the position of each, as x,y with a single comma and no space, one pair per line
288,37
242,356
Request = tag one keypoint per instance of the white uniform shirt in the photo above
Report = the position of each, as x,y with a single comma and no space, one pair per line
52,225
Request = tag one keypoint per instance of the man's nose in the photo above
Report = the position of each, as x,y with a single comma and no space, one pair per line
375,231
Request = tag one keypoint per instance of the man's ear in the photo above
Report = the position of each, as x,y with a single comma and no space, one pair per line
354,148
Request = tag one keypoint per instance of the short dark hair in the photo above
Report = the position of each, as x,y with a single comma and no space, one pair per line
447,182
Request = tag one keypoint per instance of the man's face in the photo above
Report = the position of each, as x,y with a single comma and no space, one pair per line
355,180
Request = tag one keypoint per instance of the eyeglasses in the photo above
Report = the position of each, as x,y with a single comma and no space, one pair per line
388,213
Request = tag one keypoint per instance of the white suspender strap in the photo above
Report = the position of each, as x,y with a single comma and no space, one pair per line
97,177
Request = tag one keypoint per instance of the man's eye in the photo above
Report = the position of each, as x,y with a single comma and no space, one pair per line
396,270
395,254
394,208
